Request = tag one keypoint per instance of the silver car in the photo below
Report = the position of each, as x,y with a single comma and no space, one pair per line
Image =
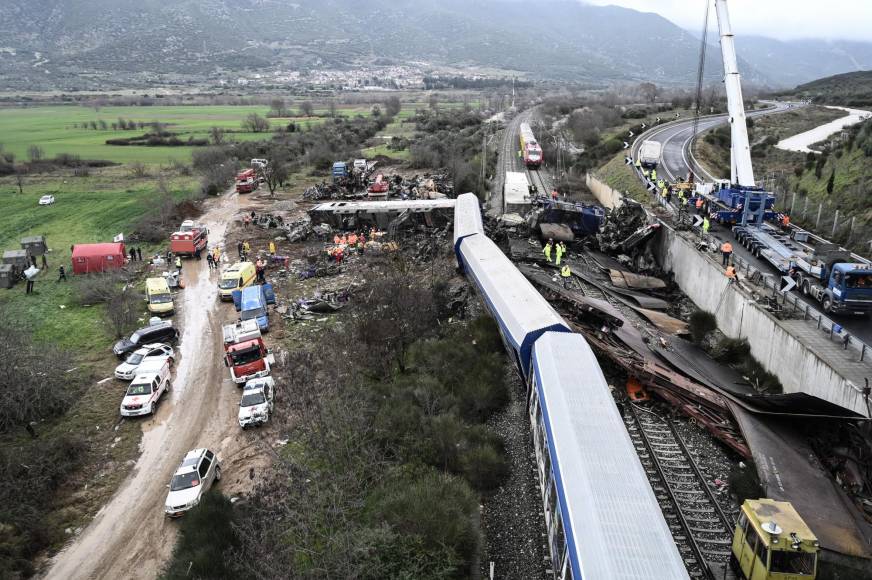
196,473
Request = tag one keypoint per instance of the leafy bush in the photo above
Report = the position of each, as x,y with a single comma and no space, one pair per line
701,324
206,535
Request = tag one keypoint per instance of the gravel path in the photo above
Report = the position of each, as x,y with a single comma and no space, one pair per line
511,519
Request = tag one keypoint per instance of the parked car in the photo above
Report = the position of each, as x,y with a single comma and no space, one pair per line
160,332
46,200
194,476
148,386
127,370
256,405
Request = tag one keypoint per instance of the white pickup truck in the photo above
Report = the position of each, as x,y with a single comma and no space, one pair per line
143,395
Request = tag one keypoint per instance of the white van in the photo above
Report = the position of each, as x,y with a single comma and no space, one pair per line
143,395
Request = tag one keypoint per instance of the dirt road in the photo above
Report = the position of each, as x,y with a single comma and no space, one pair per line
130,537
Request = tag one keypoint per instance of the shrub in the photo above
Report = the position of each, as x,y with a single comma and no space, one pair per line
206,535
701,324
437,512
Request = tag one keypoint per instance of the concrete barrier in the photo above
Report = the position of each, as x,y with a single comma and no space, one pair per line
608,197
797,365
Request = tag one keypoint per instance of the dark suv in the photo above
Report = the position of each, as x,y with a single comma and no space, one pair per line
161,332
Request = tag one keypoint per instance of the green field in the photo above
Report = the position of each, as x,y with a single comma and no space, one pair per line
58,129
87,209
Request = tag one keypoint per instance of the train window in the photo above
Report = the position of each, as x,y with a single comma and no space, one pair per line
796,563
762,552
743,523
559,541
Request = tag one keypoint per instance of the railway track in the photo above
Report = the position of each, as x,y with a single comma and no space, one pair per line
701,529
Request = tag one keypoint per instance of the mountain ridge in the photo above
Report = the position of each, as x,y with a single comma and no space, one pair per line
116,42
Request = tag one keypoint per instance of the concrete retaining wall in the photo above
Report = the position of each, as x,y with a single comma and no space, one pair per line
607,196
795,364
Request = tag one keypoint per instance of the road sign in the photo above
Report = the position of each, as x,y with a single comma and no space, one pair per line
644,125
628,160
697,221
658,119
651,186
632,134
677,115
626,145
787,284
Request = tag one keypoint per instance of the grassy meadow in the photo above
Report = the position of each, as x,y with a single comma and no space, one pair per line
87,209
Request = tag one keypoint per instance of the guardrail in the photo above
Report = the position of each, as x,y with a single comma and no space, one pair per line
791,302
772,282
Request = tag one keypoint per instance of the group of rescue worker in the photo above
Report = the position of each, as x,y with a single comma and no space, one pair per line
559,250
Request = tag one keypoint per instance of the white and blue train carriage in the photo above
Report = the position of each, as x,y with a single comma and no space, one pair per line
520,311
602,518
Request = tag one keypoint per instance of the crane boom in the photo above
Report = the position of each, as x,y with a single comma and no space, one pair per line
741,170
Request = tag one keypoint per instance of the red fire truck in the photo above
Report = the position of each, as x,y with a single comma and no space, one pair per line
246,181
189,239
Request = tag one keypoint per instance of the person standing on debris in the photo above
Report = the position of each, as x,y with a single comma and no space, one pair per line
246,247
246,221
216,255
653,175
646,173
705,225
727,252
558,250
554,195
210,260
565,273
260,271
272,248
239,248
730,273
178,263
138,254
699,205
547,250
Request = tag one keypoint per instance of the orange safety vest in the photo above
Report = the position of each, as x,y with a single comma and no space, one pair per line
727,247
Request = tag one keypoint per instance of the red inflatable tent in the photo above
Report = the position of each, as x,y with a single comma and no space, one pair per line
88,258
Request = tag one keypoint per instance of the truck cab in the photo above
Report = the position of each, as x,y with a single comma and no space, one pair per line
772,542
252,302
849,289
246,181
248,359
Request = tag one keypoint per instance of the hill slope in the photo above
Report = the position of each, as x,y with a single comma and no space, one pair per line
850,89
85,43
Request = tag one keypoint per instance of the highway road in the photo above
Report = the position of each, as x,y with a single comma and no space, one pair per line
677,160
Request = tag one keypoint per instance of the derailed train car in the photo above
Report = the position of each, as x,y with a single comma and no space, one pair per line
531,151
602,518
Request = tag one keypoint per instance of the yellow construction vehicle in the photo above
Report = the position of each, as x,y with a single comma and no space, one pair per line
772,542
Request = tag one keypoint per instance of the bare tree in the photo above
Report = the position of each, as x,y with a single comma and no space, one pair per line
35,153
254,123
649,91
217,135
115,290
307,108
35,383
273,174
331,107
278,108
393,106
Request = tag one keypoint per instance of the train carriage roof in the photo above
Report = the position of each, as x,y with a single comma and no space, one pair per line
618,530
521,312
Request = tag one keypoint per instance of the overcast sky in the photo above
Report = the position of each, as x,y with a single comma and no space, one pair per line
783,19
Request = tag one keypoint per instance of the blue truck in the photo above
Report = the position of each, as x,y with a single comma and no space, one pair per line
837,279
340,171
252,302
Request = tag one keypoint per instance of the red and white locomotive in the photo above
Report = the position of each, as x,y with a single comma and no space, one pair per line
530,149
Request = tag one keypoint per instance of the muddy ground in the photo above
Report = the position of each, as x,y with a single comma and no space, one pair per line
130,537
